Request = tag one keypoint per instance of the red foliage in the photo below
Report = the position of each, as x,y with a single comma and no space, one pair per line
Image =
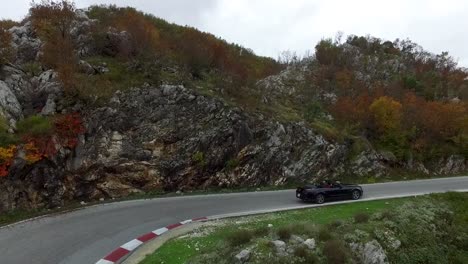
67,128
45,145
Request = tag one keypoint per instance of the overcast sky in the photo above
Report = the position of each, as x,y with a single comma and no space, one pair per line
271,26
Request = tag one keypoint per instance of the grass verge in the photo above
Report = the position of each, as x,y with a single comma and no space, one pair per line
409,230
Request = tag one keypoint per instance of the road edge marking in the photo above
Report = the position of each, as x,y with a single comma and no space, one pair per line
111,259
124,250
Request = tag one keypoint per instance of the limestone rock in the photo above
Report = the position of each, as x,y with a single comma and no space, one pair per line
310,243
280,247
10,108
243,256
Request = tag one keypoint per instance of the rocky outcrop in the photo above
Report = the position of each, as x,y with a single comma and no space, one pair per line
10,108
370,252
171,138
454,164
25,42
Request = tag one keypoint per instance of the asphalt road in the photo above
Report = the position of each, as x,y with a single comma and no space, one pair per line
84,236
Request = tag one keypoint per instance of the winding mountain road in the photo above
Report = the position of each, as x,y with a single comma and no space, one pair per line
86,235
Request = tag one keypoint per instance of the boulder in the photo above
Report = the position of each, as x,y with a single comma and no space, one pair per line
373,253
243,256
280,247
310,243
370,253
297,239
50,107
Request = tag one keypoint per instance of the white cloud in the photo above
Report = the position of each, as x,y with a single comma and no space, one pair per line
271,26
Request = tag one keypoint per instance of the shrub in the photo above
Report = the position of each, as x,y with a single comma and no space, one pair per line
261,231
324,234
314,111
361,218
240,237
335,224
303,228
387,214
305,255
6,51
284,232
68,127
35,126
6,158
335,252
6,138
199,158
232,164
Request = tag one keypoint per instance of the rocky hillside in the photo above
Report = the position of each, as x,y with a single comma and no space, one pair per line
116,118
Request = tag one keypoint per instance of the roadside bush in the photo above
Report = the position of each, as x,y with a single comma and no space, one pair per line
335,252
303,228
305,255
324,234
240,237
261,231
387,214
284,232
360,218
335,224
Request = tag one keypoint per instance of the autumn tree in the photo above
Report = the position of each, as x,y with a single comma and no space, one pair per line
144,36
53,22
387,114
387,117
352,110
6,50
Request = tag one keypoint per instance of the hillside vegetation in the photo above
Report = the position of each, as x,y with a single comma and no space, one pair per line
109,101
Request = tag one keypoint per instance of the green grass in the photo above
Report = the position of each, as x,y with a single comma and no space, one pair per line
334,227
178,251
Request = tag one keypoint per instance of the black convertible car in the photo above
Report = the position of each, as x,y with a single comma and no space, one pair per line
320,192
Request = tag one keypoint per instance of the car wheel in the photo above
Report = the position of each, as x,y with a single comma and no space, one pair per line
356,195
320,199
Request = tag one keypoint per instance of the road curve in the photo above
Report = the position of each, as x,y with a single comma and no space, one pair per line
84,236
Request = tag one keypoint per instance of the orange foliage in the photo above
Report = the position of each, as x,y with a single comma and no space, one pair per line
53,22
144,35
6,158
352,110
44,146
6,51
66,131
50,18
32,153
444,120
344,79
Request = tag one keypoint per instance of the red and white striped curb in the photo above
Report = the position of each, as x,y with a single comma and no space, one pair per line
118,254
